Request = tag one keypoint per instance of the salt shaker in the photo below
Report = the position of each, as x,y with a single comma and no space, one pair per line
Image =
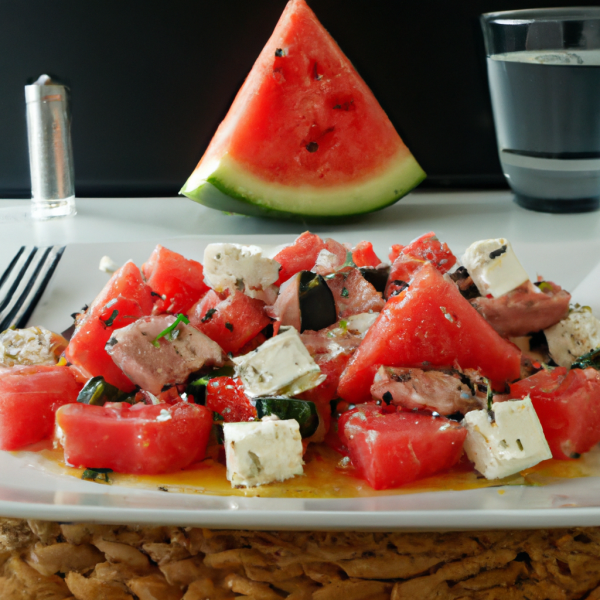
50,151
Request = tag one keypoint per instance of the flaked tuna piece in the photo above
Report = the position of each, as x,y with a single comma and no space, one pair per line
445,392
170,360
353,294
526,309
287,306
331,258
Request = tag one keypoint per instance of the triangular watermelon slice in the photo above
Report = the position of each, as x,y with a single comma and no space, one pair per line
304,136
429,325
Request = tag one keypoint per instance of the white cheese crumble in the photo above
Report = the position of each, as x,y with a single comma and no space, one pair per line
509,442
164,415
494,267
282,366
261,452
244,268
578,334
31,346
108,265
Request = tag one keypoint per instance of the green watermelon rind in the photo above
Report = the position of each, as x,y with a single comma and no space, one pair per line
219,191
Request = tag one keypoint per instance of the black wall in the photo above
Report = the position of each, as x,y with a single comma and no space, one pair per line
150,81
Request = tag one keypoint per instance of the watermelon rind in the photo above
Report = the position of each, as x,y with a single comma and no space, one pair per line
227,186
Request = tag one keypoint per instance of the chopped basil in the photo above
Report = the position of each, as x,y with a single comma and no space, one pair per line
498,252
345,293
489,397
170,329
229,326
111,319
97,475
208,316
279,52
387,397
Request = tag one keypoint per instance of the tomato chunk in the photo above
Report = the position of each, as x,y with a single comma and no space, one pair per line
390,450
299,256
232,322
178,280
134,439
363,255
29,397
225,396
429,324
567,404
124,299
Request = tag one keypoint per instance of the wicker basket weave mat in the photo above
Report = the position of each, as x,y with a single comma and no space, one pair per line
50,561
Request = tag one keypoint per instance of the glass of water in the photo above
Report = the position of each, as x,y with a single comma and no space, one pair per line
544,76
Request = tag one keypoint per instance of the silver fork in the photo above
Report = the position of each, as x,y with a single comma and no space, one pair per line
24,282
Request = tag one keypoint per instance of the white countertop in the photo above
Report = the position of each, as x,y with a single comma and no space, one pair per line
483,214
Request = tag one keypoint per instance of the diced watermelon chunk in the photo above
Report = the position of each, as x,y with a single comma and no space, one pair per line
232,322
134,439
124,299
299,256
429,324
363,255
29,397
411,258
178,280
395,251
390,450
225,396
568,407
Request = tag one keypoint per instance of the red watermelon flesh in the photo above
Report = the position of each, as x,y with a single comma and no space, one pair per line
429,324
305,134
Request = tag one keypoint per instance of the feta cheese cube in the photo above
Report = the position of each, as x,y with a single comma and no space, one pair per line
244,268
260,452
494,267
509,442
281,366
578,334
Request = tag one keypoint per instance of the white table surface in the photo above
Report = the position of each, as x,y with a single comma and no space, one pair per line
482,214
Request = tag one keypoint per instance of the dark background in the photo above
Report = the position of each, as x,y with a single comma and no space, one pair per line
151,80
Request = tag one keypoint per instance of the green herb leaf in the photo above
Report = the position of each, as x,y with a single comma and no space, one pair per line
229,326
111,319
208,316
100,475
345,293
168,331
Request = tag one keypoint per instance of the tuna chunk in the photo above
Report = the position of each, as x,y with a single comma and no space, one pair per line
177,356
353,294
443,392
526,309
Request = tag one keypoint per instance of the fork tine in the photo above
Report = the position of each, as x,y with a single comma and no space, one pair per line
14,274
35,291
27,285
11,266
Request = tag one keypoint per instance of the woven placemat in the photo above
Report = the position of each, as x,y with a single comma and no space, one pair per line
50,561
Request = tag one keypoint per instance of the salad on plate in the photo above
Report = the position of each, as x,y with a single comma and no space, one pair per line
255,360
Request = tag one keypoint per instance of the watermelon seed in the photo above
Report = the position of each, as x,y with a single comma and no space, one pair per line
312,146
316,73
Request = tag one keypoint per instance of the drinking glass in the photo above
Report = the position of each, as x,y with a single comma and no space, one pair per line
544,77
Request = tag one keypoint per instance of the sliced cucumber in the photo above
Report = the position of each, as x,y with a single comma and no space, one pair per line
317,305
97,392
303,411
376,276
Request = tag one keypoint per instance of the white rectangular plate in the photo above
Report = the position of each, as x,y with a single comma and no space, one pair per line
26,491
